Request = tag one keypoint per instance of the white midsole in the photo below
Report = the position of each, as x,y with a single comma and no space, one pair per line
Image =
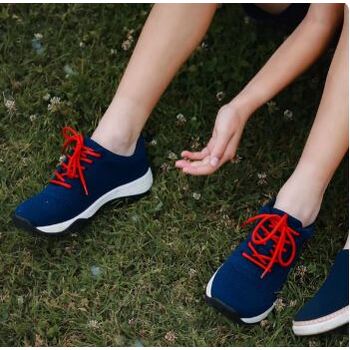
136,187
322,324
260,317
254,319
210,283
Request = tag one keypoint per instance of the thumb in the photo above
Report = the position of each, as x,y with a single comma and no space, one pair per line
218,149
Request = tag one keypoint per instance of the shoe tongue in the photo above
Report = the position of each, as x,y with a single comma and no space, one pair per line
293,222
98,148
93,144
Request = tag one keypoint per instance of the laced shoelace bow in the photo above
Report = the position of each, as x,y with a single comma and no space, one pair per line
275,228
73,169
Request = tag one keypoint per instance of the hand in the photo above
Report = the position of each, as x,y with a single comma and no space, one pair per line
222,146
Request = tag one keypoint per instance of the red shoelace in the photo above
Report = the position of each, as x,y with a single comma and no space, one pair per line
271,227
73,169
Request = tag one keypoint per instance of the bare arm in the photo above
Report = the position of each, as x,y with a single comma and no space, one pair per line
293,57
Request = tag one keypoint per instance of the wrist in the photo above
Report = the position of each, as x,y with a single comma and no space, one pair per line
244,105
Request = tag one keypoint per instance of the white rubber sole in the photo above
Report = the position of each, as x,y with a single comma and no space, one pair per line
322,324
134,188
248,320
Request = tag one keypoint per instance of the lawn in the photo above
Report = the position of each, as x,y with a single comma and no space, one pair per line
136,275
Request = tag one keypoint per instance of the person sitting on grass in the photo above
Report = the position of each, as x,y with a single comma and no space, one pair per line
244,287
113,163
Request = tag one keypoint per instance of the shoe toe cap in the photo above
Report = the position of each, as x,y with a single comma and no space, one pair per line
234,289
41,210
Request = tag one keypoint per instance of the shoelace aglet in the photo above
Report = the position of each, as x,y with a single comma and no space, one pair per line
263,274
85,189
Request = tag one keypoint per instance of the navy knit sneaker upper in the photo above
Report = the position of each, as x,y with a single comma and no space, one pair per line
334,293
88,177
247,283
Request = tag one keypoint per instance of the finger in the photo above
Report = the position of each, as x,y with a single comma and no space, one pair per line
231,148
218,149
202,167
182,163
210,144
205,168
234,143
199,170
195,155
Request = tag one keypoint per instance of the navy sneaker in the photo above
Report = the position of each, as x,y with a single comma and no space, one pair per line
88,177
329,308
245,287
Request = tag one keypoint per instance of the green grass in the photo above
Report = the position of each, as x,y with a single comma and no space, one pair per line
153,257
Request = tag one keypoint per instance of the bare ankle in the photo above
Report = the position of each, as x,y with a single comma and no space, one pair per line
116,141
300,199
120,126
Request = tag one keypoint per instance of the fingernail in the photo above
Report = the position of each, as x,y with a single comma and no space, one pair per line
214,161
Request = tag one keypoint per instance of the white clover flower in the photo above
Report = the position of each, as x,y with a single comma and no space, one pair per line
38,341
264,323
95,271
165,167
288,114
220,95
38,36
236,159
301,271
20,300
93,324
62,158
126,45
196,196
82,44
204,45
292,303
54,105
17,18
135,218
181,119
313,343
262,178
185,187
153,142
10,105
46,97
170,336
172,156
272,107
195,143
69,70
113,52
192,273
279,304
130,33
33,117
